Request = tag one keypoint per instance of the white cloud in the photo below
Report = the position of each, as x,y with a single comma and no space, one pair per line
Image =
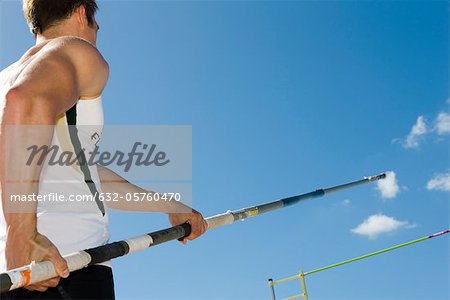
441,127
378,224
440,182
419,129
443,123
388,187
346,202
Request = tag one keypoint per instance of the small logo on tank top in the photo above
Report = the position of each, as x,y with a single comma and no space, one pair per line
95,138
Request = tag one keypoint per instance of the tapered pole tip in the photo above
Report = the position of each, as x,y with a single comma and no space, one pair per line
377,177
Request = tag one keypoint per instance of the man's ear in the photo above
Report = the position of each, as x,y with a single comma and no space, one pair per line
80,13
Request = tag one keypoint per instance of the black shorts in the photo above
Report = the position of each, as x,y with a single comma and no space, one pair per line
94,282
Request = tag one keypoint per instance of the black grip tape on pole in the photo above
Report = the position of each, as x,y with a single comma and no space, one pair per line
5,283
187,231
172,233
107,252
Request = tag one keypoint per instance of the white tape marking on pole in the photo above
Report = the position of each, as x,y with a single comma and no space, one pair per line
16,277
44,270
139,243
41,271
77,260
219,220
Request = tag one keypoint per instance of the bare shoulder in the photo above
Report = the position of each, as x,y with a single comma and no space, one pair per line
78,50
91,68
72,45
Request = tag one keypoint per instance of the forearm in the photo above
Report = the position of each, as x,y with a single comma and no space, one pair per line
114,184
21,229
25,123
20,216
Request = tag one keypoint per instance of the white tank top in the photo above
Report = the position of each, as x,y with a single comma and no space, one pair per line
70,225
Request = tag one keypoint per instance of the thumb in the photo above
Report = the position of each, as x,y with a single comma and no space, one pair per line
60,263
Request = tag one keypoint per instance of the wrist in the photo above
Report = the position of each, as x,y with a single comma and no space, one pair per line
22,238
177,207
21,226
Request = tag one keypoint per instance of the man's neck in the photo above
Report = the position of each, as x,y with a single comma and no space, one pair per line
56,31
41,38
48,35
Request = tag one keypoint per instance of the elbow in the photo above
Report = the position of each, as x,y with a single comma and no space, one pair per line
12,96
14,106
22,108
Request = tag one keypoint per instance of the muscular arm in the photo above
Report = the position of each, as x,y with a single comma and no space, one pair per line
31,108
115,184
50,84
178,212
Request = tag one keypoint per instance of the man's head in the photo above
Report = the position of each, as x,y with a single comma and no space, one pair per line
66,17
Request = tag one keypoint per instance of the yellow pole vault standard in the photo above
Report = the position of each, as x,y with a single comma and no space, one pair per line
302,275
302,280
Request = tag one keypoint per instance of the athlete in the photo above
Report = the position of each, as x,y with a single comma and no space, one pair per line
59,81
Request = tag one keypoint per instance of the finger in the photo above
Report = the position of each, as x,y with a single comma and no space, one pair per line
205,226
45,284
193,233
196,232
51,282
196,229
36,287
59,262
202,222
202,226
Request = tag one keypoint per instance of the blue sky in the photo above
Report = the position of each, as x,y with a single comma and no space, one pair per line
285,97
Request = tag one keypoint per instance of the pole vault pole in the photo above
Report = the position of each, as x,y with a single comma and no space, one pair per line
40,271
